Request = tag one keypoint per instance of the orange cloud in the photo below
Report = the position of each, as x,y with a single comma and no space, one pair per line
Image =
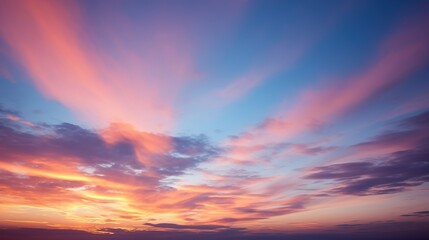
132,81
81,178
143,142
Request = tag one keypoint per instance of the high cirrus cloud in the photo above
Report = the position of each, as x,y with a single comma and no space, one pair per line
85,63
284,54
400,54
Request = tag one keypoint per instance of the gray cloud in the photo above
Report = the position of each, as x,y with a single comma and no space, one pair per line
417,214
187,227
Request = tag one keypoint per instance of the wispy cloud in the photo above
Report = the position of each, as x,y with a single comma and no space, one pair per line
334,154
398,56
417,214
390,173
93,70
187,227
284,54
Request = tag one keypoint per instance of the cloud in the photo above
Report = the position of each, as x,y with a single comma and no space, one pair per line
187,227
232,220
417,214
399,55
4,111
85,62
119,174
72,165
407,133
124,175
90,148
276,208
285,52
394,172
391,227
309,149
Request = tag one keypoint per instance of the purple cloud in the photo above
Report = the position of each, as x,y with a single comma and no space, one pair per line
417,214
94,155
186,227
392,173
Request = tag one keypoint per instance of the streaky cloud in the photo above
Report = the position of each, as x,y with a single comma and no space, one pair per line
391,173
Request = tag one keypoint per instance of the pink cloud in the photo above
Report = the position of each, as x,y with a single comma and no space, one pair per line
282,56
399,55
134,80
12,117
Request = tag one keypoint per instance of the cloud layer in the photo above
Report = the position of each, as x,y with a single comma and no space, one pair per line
391,173
213,119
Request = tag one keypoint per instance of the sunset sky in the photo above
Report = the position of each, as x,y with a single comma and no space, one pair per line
214,119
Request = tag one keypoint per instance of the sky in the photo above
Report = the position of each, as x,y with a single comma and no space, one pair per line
217,119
